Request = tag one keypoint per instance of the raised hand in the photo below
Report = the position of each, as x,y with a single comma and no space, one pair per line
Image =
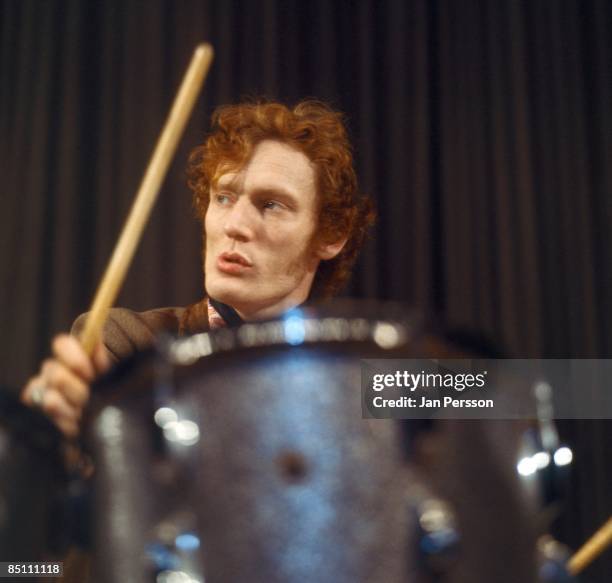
61,388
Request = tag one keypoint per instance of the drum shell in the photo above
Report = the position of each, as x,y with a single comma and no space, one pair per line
32,480
281,439
287,481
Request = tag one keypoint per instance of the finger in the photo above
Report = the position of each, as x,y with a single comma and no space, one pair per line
56,406
56,376
26,393
68,427
69,350
101,358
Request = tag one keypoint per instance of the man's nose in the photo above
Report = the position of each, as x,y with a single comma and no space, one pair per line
239,222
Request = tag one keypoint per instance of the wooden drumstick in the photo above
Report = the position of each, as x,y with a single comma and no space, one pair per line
591,549
146,196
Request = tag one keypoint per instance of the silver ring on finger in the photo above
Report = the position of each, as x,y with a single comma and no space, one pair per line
37,394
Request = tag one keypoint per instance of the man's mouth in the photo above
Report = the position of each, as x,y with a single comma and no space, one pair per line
233,263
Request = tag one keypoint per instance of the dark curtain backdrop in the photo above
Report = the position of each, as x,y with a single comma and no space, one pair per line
482,128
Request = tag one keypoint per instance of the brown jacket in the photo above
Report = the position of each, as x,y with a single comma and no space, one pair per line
126,332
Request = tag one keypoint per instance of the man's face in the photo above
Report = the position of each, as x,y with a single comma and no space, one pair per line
259,230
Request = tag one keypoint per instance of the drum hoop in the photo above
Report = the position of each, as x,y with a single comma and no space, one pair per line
295,329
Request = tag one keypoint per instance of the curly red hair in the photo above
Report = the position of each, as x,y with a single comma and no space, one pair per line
316,130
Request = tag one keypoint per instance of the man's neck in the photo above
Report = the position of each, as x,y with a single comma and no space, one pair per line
253,313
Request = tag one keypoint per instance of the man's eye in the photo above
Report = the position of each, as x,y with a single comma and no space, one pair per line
222,199
272,205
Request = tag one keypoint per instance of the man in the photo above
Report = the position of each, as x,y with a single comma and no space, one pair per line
282,220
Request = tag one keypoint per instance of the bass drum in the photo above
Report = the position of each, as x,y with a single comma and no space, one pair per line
242,455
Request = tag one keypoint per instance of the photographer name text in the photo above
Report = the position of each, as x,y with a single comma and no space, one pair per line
417,381
425,403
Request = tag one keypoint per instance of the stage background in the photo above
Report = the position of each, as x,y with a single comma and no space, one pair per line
483,129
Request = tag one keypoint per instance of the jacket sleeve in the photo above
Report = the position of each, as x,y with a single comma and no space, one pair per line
126,332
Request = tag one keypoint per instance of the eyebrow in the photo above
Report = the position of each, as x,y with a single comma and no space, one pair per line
276,191
223,182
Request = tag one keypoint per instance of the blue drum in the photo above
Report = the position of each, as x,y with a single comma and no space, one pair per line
242,455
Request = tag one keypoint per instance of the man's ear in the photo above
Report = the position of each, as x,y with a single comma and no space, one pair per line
330,250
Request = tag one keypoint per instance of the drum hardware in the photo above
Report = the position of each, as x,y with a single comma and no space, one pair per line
436,537
174,556
299,326
543,465
552,561
554,458
544,473
439,542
